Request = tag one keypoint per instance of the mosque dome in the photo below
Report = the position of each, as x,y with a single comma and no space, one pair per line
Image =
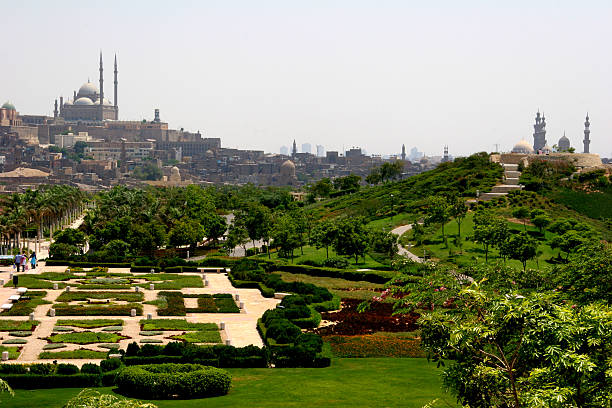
522,147
287,169
8,105
83,101
106,102
564,144
88,89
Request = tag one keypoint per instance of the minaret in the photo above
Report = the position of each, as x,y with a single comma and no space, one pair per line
116,106
445,158
403,152
55,110
294,150
61,107
587,133
101,81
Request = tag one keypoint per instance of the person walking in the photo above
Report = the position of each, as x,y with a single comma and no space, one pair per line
24,261
33,260
18,261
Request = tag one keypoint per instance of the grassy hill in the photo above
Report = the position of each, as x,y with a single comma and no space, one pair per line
464,176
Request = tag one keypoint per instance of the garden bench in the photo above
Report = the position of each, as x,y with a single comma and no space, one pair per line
14,298
98,301
6,306
21,291
216,270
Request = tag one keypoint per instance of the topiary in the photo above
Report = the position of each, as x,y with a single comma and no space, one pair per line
90,368
111,364
132,349
163,381
67,369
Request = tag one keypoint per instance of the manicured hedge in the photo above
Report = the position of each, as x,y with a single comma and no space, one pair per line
97,310
63,262
175,304
352,275
33,381
146,269
163,381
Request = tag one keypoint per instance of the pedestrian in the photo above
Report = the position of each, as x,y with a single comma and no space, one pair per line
33,260
18,261
24,262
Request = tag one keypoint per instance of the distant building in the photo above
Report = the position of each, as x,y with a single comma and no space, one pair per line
587,133
320,151
284,150
89,103
539,132
564,144
306,148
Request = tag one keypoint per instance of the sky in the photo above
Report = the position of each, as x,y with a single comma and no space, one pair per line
340,73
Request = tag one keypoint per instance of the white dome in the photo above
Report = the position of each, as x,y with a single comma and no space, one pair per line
88,89
83,101
106,102
522,147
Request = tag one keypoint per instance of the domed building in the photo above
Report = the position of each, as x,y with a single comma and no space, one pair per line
287,173
89,103
522,147
564,144
9,115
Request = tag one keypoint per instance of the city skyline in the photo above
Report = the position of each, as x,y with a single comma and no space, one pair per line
259,76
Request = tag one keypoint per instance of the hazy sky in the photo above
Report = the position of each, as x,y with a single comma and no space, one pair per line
373,74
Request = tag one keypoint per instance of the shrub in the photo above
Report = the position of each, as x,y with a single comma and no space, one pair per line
283,331
173,380
42,369
34,381
20,333
67,369
84,295
111,364
90,368
15,341
93,399
175,305
74,354
53,346
132,349
62,309
13,369
86,337
199,337
91,323
336,262
176,325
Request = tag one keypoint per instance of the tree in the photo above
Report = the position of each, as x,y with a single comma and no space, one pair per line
587,277
186,232
79,147
521,213
322,188
323,235
382,242
351,238
521,247
568,242
148,171
374,177
285,235
71,236
509,351
347,183
116,249
390,171
541,222
458,211
214,226
437,212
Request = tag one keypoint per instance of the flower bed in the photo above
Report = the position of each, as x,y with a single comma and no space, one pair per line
176,325
62,309
25,306
84,295
379,318
86,337
375,345
199,337
91,323
74,354
23,325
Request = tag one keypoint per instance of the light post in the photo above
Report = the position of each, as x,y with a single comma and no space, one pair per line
392,203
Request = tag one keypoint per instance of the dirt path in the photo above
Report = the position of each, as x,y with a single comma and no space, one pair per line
401,250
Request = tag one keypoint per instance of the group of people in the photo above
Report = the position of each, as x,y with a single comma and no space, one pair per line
21,260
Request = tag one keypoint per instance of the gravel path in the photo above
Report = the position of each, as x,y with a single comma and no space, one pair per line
401,250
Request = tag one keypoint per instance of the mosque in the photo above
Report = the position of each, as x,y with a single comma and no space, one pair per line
540,145
89,103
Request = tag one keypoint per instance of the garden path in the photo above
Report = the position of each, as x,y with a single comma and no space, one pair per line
401,250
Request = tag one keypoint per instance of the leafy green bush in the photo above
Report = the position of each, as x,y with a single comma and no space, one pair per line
90,368
42,369
93,399
336,262
173,380
67,369
13,369
35,381
282,331
110,364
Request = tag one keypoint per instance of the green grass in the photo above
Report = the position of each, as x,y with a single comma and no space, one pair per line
31,281
13,351
171,281
75,354
18,325
86,337
23,307
593,205
84,295
199,337
344,288
110,309
319,255
90,324
176,325
375,382
388,223
470,251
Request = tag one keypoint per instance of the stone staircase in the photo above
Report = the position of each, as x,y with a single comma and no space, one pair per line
511,182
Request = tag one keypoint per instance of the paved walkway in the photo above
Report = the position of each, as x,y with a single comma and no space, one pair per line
400,248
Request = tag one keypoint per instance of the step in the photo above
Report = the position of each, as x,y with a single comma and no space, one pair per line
512,174
511,181
505,188
511,167
490,196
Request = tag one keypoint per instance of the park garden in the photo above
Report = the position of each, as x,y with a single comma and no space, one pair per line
242,295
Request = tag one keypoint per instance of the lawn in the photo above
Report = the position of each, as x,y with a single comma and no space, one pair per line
380,382
471,251
344,288
388,223
319,255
